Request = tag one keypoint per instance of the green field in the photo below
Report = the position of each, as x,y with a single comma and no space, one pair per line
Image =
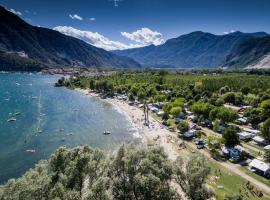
232,184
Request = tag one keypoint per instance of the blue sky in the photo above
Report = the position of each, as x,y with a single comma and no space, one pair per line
118,20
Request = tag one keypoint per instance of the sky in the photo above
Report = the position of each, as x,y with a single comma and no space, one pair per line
122,24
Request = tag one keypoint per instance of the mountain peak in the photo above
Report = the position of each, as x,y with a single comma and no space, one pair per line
33,46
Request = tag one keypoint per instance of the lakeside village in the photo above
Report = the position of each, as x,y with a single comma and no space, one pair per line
229,124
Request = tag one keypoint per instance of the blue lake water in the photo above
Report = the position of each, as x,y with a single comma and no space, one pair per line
49,117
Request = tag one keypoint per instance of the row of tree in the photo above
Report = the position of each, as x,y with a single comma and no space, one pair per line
130,174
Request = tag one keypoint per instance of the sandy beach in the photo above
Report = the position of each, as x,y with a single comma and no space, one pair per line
154,134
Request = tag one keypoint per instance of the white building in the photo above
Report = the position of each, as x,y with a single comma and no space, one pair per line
266,147
245,135
253,131
259,140
260,167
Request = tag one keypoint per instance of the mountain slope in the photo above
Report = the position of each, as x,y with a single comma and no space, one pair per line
252,53
197,49
41,47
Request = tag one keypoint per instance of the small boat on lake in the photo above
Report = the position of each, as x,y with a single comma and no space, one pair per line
17,113
31,150
106,133
39,131
12,119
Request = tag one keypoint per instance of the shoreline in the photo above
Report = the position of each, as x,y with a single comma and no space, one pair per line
153,135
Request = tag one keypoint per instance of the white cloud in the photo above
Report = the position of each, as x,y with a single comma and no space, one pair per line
92,19
140,38
94,38
75,16
145,36
15,12
228,32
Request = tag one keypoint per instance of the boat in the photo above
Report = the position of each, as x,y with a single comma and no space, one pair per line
17,113
63,139
31,150
106,132
18,83
34,97
11,119
39,131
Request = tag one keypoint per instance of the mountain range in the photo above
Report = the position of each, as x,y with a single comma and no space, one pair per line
205,50
26,47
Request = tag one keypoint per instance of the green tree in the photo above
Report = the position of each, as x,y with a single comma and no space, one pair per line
201,108
175,111
197,172
224,114
265,106
183,126
267,156
265,129
141,174
245,90
230,137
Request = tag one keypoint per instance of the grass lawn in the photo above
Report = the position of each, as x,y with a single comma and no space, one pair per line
232,184
255,146
258,177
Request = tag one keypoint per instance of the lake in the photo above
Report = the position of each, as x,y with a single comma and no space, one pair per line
48,117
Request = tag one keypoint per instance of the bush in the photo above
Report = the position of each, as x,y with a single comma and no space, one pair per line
183,126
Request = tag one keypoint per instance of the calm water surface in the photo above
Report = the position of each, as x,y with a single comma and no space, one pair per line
49,117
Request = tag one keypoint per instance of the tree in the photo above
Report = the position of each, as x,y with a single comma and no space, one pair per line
175,111
201,108
159,98
197,172
92,84
265,106
163,72
267,156
225,114
133,173
232,97
183,126
141,174
141,94
265,129
165,116
224,89
131,97
230,137
245,90
191,176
